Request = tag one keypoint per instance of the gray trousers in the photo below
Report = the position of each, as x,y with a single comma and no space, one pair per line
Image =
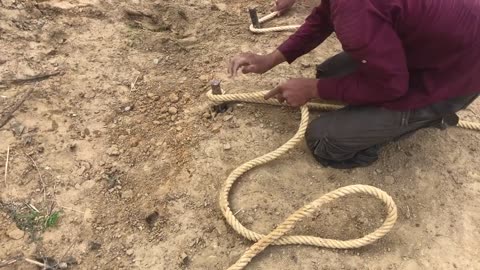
353,136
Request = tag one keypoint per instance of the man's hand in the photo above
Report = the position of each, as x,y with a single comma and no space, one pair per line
296,92
254,63
282,6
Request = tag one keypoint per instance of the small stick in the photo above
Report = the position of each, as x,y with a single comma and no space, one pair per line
132,85
35,78
238,211
64,254
9,114
6,165
36,263
44,187
33,207
7,262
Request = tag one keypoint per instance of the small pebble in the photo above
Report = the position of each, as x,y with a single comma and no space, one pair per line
127,194
389,180
227,146
172,110
173,98
16,234
130,252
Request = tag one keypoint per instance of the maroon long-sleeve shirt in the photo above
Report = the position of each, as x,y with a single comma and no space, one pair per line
412,53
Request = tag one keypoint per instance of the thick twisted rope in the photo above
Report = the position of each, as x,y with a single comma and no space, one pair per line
272,29
322,105
468,125
277,236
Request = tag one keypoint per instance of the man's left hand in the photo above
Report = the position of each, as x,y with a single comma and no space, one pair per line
296,92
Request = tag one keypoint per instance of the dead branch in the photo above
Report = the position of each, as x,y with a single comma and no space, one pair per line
35,78
4,120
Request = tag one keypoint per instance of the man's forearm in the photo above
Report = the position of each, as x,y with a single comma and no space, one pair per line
276,58
314,31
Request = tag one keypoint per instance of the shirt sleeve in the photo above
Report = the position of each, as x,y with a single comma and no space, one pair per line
369,38
313,32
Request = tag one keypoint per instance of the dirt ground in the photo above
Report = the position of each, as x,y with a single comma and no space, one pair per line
115,162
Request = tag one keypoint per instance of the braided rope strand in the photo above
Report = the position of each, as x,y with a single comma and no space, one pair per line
272,29
468,125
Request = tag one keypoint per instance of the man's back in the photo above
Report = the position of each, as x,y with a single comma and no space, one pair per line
441,39
413,52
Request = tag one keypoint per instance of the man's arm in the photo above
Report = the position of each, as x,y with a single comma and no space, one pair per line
370,39
313,32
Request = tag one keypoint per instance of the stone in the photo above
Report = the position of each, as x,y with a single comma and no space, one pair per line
15,234
389,180
173,98
113,151
88,215
128,108
54,125
88,184
188,41
72,146
130,252
219,6
63,265
8,3
172,110
227,146
94,245
127,194
156,61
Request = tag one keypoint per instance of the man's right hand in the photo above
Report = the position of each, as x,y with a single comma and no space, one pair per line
282,5
254,63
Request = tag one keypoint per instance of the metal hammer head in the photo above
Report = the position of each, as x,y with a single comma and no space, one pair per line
254,17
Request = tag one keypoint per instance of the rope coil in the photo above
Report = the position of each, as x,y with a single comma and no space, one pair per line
277,236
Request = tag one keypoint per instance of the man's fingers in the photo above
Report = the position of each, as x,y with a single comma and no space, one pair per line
280,98
236,65
277,90
248,69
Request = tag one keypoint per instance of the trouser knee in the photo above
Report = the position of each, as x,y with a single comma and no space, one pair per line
334,151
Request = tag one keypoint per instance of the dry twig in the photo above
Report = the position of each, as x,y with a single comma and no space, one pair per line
35,78
6,165
8,262
36,263
44,186
9,114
